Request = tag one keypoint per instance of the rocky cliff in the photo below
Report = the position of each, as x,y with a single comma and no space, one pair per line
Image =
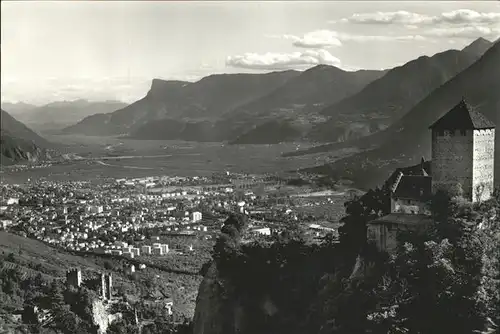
213,312
220,309
18,143
286,284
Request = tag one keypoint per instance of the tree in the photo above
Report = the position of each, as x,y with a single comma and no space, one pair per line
359,211
433,283
56,297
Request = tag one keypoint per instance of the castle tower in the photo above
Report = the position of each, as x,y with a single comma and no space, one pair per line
463,152
74,277
102,285
108,286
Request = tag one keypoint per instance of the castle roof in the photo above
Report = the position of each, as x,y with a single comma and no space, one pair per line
463,117
421,169
414,187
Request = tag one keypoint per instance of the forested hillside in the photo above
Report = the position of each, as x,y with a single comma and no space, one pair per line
445,281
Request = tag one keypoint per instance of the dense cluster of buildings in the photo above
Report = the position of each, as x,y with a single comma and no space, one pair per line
123,217
97,217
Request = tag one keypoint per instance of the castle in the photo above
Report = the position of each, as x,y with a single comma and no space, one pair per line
463,162
100,283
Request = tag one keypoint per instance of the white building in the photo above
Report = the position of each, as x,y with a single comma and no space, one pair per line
12,201
196,216
96,209
146,249
157,250
136,251
5,223
263,231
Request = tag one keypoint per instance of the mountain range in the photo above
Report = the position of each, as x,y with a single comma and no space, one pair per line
322,104
19,143
60,114
376,107
385,113
408,139
298,100
184,102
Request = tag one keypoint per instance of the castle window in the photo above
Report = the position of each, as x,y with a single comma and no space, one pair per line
463,132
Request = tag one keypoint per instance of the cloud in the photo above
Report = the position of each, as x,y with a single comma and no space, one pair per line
456,17
315,39
399,17
380,38
282,61
327,38
467,16
469,32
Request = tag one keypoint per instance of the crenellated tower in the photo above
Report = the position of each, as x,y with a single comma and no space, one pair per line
74,277
463,152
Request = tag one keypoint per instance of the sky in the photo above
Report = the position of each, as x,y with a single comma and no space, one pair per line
111,50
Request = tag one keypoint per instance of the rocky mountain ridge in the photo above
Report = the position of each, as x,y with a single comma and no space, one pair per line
389,98
18,143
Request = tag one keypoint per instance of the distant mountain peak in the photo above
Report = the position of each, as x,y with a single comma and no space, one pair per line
479,46
161,86
324,67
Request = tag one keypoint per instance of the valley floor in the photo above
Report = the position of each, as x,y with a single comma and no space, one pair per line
104,157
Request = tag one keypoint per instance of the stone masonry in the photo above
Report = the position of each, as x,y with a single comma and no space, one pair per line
484,164
463,153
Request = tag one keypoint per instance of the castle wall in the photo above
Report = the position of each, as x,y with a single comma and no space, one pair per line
452,160
384,236
484,164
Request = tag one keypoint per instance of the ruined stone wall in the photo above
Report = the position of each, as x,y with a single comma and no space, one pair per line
452,160
100,316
